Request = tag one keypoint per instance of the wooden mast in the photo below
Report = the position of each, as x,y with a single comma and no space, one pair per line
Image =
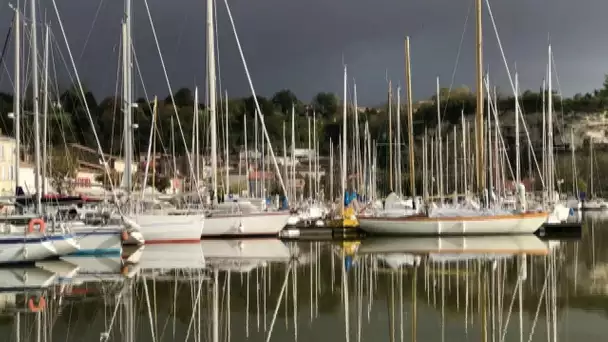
479,156
410,124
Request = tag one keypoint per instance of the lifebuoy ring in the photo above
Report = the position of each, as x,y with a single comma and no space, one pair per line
36,222
125,235
36,307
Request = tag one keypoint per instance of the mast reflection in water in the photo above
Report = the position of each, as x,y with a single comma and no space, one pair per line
415,289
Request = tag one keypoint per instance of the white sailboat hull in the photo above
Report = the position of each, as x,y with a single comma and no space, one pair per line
161,229
33,247
254,224
98,241
472,225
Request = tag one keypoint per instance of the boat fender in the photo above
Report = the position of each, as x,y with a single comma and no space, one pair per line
124,235
36,222
124,271
36,307
241,228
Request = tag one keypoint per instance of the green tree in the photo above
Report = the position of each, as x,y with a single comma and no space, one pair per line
326,104
62,169
183,98
284,99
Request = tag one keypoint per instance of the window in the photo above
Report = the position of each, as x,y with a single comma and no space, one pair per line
10,173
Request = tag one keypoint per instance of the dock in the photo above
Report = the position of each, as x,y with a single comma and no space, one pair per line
566,230
327,233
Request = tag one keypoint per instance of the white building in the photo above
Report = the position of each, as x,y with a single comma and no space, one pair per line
7,165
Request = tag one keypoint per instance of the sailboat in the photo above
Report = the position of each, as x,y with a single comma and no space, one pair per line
162,227
460,221
235,218
24,238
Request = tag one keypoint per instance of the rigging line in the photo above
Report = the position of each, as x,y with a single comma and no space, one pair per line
147,97
464,30
257,105
530,145
559,87
117,85
81,98
179,123
86,105
7,41
217,51
504,59
86,41
494,111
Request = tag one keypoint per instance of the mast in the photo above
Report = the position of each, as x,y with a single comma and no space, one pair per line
550,180
489,133
45,106
479,156
212,95
331,170
247,155
315,145
368,166
544,156
173,151
35,95
357,140
17,98
284,152
410,122
309,161
390,133
255,147
574,173
398,147
197,141
440,161
517,158
127,98
227,163
455,161
464,153
154,118
343,178
293,152
425,165
591,167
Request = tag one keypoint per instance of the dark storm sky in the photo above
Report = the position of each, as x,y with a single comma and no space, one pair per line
300,44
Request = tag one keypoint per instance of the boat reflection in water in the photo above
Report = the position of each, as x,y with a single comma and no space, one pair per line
386,289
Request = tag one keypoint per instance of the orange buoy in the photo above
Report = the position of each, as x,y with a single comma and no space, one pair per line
125,270
36,307
31,226
125,235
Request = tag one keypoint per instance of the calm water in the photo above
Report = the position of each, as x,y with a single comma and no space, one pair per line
378,290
